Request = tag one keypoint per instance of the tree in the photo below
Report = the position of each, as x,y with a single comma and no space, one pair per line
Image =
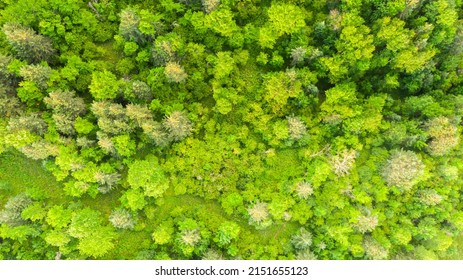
342,163
175,72
340,103
210,5
280,86
227,232
231,202
156,132
221,21
164,233
10,105
139,91
121,219
297,128
374,250
84,223
403,169
429,197
303,189
212,254
259,215
66,108
444,136
32,123
98,243
27,44
134,199
107,181
40,150
11,214
38,74
59,217
140,114
298,55
104,85
178,125
366,223
112,117
128,27
147,175
283,19
124,145
302,240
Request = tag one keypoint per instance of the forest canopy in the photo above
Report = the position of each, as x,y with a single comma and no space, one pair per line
231,129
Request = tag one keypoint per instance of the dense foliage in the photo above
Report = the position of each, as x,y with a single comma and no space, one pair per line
231,129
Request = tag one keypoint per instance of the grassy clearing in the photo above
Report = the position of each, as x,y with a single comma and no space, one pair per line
19,174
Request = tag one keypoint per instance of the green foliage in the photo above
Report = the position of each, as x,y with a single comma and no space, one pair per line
11,214
283,19
104,85
27,44
148,176
444,136
133,199
59,217
231,129
84,222
98,243
227,232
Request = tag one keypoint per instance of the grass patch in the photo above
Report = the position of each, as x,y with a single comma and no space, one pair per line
19,174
